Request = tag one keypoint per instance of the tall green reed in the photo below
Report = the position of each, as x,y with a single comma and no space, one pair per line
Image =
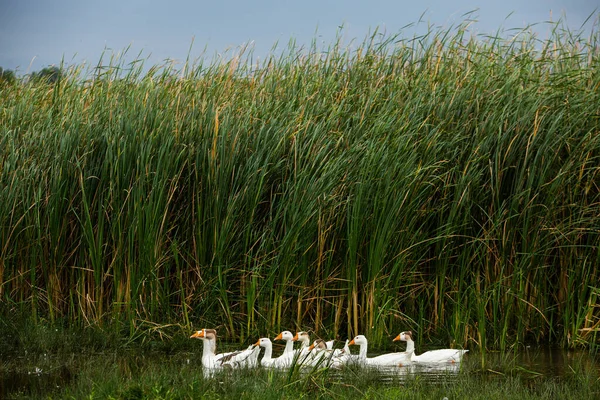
444,183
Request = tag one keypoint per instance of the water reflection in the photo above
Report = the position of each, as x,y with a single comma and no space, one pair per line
549,362
398,374
435,371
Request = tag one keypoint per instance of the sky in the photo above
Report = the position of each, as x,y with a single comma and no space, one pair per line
37,33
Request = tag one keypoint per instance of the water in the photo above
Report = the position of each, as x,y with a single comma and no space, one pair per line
44,374
35,381
34,374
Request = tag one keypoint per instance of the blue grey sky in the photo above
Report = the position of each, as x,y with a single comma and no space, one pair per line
38,33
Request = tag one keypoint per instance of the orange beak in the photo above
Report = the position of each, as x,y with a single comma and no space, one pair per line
257,343
279,337
351,343
295,339
199,334
396,338
312,346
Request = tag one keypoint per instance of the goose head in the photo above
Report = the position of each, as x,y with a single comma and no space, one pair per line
358,340
285,335
318,344
404,336
209,339
263,342
205,334
302,337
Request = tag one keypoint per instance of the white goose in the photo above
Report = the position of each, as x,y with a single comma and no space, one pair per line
322,353
267,360
321,345
304,339
289,341
303,352
430,357
234,359
317,346
316,353
384,360
344,356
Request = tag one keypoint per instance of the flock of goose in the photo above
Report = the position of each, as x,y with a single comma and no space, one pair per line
319,353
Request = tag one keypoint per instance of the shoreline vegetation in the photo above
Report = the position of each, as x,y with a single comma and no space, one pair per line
68,363
447,184
161,378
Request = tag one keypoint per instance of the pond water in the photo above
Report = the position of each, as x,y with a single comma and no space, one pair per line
40,374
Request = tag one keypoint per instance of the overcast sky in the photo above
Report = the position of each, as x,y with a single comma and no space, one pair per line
38,33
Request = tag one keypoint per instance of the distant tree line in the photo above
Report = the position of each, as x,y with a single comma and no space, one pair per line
7,76
49,75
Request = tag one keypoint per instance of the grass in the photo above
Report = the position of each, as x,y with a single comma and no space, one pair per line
262,384
445,183
156,376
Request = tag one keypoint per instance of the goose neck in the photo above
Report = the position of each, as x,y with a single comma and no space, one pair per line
363,350
410,346
208,352
268,351
289,347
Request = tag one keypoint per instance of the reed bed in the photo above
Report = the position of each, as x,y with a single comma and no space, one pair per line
446,183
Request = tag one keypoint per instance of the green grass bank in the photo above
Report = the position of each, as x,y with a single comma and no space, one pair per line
446,183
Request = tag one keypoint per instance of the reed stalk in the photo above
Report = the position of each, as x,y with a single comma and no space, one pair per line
445,183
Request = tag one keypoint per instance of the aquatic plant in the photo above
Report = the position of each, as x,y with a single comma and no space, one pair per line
445,183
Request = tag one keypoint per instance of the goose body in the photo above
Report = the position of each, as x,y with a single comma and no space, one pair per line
442,356
318,354
234,359
384,360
